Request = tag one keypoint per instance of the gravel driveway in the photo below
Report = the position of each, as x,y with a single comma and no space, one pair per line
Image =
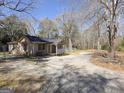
69,74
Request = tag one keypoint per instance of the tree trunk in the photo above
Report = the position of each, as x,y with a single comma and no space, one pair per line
98,27
112,51
98,44
112,36
70,44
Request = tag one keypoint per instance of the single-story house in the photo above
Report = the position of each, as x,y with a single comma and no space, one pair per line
32,45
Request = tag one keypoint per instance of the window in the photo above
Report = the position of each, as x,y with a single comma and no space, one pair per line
41,46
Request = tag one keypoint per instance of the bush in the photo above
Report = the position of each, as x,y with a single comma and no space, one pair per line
104,47
120,46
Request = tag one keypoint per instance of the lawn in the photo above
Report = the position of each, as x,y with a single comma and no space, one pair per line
4,54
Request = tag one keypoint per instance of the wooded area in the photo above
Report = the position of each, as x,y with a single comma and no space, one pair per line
61,46
93,24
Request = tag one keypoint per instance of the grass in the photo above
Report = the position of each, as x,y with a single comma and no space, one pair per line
114,67
101,59
18,80
2,54
20,83
77,52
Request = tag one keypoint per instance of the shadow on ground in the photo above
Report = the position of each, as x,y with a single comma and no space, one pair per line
24,58
71,81
6,69
68,79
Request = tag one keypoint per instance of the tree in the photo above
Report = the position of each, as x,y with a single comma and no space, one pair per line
68,27
21,6
89,37
13,28
17,5
98,28
48,29
76,37
32,26
112,9
109,11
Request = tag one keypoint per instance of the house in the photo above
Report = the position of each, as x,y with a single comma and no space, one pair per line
32,45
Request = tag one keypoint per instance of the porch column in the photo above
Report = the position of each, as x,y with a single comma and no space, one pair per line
33,49
50,48
48,52
56,49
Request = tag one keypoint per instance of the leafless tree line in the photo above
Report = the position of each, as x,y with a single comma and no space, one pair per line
108,12
101,17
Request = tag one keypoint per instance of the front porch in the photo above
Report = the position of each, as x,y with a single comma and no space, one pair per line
47,49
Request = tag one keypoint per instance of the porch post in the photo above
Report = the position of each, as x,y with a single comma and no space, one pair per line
50,48
56,49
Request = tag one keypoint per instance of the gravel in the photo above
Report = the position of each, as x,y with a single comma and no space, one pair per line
69,74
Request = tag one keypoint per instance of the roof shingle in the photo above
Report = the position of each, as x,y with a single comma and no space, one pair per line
38,39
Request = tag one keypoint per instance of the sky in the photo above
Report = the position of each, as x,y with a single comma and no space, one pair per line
47,8
51,9
42,9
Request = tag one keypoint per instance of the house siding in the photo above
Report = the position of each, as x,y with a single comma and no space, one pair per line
28,46
34,48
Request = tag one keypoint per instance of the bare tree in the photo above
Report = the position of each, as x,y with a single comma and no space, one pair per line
32,25
17,5
112,9
98,28
22,6
47,28
67,24
89,37
109,12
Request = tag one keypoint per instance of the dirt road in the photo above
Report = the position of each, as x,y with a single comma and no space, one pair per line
65,74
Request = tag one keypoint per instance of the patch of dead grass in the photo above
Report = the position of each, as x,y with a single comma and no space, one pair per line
98,57
77,52
21,84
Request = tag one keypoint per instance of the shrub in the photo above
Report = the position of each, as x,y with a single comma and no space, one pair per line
104,47
120,46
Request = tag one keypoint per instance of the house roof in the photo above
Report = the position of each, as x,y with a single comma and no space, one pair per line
38,39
